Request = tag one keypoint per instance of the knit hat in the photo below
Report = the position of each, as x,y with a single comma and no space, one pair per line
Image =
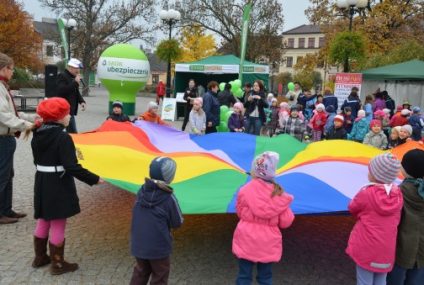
399,108
152,105
397,129
407,128
416,110
117,104
379,113
198,100
339,118
294,108
361,114
239,105
284,105
386,111
163,168
405,112
53,109
412,163
265,164
274,99
76,63
329,109
385,168
320,106
375,123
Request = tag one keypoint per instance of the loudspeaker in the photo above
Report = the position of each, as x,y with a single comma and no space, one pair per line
50,76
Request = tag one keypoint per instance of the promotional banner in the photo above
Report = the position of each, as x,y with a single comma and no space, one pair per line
123,69
62,33
344,84
169,109
246,18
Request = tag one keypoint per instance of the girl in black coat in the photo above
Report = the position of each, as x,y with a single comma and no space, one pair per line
255,104
55,195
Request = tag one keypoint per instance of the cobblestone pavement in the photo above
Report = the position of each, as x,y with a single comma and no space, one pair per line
98,238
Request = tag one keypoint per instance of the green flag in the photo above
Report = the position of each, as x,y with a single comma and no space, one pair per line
246,18
61,27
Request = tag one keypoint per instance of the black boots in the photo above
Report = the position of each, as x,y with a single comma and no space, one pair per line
40,248
58,264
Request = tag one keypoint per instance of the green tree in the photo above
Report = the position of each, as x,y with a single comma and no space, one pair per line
169,50
347,48
195,44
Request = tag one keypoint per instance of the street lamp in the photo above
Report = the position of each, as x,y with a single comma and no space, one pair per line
352,6
169,17
70,25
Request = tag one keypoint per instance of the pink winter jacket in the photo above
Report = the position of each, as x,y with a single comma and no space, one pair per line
258,237
372,242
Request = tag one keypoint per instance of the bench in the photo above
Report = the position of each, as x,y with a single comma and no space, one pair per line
27,103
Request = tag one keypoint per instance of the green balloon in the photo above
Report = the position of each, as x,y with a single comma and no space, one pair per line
237,82
227,116
290,86
223,127
224,110
238,93
234,88
222,86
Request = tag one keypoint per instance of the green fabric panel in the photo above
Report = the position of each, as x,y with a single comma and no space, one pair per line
130,187
285,145
409,70
193,193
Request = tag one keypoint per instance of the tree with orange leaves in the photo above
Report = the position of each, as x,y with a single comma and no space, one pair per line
17,36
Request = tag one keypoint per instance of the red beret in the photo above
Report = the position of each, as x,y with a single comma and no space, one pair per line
53,109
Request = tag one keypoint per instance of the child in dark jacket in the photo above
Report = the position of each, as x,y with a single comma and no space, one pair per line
55,194
117,113
409,263
236,120
377,209
348,119
337,132
155,212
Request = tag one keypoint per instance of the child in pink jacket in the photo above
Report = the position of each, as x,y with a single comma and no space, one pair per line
263,208
377,208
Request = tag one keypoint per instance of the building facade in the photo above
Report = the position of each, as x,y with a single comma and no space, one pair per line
300,41
51,52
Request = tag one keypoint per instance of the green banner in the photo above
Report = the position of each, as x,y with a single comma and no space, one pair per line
246,18
61,26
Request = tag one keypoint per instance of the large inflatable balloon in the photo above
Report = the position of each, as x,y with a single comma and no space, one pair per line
123,69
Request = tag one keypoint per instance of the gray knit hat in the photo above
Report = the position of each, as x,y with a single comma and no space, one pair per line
385,168
163,168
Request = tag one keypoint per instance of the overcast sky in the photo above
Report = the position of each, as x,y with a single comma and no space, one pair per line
294,12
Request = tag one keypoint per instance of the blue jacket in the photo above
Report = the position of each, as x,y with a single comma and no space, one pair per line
211,108
155,212
359,130
416,123
331,100
354,104
330,123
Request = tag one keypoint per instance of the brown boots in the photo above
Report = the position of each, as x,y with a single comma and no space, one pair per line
40,248
59,265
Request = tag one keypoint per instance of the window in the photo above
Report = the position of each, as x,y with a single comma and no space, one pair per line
289,62
321,41
290,43
49,50
301,43
155,78
311,42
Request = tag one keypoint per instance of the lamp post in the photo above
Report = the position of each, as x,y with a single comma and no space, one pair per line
169,17
70,25
352,7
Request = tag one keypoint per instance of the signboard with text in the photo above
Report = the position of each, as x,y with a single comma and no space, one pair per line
344,84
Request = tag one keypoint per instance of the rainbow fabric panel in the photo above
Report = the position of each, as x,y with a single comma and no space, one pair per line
322,176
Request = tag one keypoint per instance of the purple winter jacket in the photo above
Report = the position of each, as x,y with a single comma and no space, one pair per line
235,122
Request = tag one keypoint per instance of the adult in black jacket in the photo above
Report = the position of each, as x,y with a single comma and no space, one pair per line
353,102
55,195
68,87
255,104
211,107
155,213
189,95
225,97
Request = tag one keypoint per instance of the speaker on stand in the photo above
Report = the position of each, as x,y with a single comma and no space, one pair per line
50,76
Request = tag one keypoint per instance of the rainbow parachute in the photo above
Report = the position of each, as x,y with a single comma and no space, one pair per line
322,176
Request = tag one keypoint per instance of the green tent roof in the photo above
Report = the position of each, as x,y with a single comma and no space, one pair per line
409,70
222,60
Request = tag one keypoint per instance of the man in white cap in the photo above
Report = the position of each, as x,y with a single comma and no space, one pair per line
68,83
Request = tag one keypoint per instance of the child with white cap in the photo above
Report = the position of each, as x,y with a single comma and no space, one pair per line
156,211
151,115
318,122
409,263
360,127
263,208
377,210
197,117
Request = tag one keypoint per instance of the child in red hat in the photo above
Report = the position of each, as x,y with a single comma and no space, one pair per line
55,195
